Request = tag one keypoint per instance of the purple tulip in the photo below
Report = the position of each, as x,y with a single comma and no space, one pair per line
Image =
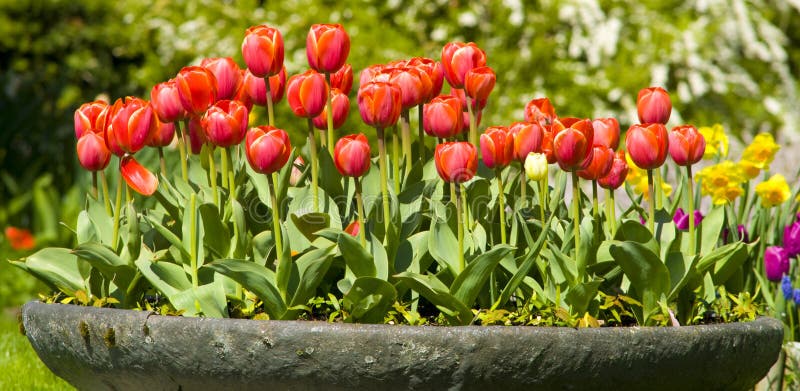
776,263
681,219
791,239
741,230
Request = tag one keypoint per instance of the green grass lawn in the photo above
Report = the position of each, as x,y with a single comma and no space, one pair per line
20,367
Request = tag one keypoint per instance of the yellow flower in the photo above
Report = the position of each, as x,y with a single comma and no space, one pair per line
637,180
722,181
716,141
758,155
773,191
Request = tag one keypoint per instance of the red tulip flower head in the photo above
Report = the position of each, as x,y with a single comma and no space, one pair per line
138,178
647,145
686,145
435,72
129,125
497,147
256,87
197,135
341,107
327,47
225,123
197,88
606,132
540,111
92,152
163,134
166,101
20,239
654,105
352,155
227,74
600,166
458,58
412,88
479,82
343,79
86,118
443,116
456,161
307,93
262,50
572,143
379,104
616,176
267,148
528,138
547,144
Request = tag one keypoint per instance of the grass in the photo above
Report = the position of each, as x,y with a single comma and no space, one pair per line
20,367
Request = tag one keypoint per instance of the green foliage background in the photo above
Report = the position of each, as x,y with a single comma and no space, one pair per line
727,61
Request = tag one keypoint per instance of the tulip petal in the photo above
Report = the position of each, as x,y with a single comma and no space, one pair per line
138,177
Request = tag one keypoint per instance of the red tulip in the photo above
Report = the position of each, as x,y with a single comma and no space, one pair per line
540,111
343,79
412,88
497,147
654,105
307,94
434,71
606,132
163,134
129,125
92,152
353,228
477,104
647,145
341,107
379,104
86,118
456,161
600,166
137,177
225,123
547,144
256,87
166,101
327,47
443,117
616,176
262,50
527,138
20,239
241,93
458,58
686,145
197,135
197,88
227,74
267,148
479,82
368,74
352,155
572,143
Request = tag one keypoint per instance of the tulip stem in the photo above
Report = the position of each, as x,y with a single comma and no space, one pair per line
690,201
421,134
610,213
576,210
193,238
212,176
406,139
502,203
224,160
270,111
360,206
162,163
396,160
329,115
283,269
651,221
184,154
322,141
595,211
461,262
523,191
312,146
542,190
473,127
117,207
106,200
384,180
94,184
657,186
231,176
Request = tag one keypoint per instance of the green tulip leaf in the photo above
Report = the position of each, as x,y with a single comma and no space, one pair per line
168,278
648,275
255,278
437,293
468,284
312,267
580,295
57,267
711,227
309,223
524,268
358,259
217,238
207,300
369,300
443,246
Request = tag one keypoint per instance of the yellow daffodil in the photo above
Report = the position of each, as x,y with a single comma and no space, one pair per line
722,181
637,180
773,191
757,156
716,141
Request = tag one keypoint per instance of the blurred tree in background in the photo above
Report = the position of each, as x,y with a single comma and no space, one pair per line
729,61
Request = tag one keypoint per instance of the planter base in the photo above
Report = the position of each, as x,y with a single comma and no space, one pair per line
97,349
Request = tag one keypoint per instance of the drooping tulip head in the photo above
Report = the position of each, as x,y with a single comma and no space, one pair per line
686,145
572,143
327,47
262,50
341,107
197,88
86,118
540,111
166,101
606,132
227,74
93,154
138,178
352,155
479,82
267,148
616,176
653,105
527,138
225,123
379,104
456,161
458,58
600,166
343,79
497,147
129,125
307,93
647,145
443,117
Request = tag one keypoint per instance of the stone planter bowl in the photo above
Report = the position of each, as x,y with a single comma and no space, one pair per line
99,349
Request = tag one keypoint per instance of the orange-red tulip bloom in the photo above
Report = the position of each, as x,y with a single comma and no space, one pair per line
540,111
20,239
435,72
92,152
267,148
343,79
130,124
458,58
606,132
456,161
600,166
379,104
341,107
412,88
686,145
547,144
225,123
197,135
654,105
197,88
497,147
572,143
166,101
262,50
227,73
256,87
616,176
479,82
307,93
137,177
647,145
86,118
163,134
352,155
443,116
327,47
528,138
